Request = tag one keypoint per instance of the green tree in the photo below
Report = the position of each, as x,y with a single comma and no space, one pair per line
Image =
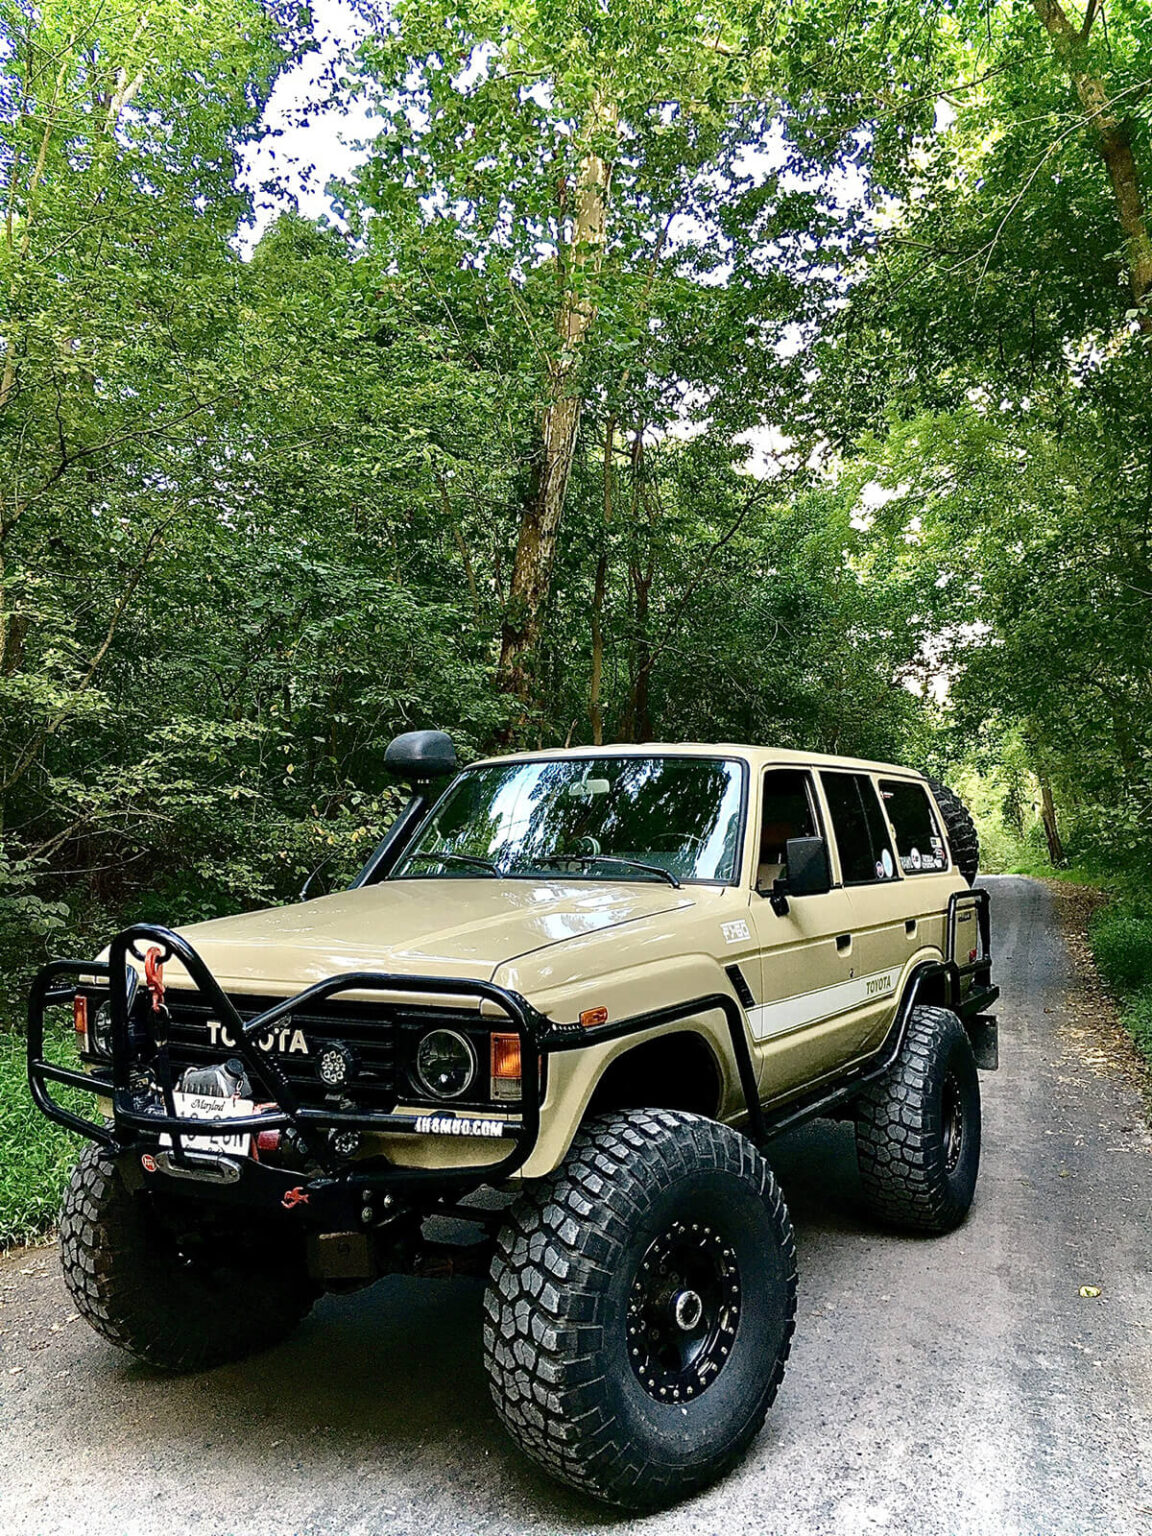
119,136
569,175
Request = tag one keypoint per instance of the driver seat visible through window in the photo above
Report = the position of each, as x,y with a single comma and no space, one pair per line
786,812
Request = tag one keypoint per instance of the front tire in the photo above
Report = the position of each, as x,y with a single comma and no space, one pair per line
918,1128
181,1287
640,1307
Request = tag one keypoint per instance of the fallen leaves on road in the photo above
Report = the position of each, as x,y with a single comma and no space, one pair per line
1089,1290
1095,1035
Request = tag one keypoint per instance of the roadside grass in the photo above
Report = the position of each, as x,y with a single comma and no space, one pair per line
1121,938
36,1156
1119,933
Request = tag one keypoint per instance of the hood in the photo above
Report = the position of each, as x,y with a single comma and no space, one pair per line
435,927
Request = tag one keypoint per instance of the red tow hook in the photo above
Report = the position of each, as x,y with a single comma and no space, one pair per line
293,1197
154,977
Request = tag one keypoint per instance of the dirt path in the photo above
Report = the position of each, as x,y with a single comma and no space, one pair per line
950,1386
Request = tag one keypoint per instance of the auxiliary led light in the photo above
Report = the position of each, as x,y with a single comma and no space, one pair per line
336,1065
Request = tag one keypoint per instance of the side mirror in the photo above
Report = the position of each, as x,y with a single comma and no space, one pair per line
809,872
418,757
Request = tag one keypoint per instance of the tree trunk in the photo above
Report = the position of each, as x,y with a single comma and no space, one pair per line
640,706
540,523
536,547
1051,829
461,546
1114,141
595,711
641,572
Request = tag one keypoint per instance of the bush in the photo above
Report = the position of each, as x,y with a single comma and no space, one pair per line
1121,937
36,1156
1138,1019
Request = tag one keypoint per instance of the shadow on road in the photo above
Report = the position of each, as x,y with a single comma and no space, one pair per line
392,1376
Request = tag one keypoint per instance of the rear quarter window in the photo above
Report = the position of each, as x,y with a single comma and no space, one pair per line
861,832
919,837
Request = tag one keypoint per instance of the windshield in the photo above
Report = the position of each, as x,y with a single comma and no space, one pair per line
601,818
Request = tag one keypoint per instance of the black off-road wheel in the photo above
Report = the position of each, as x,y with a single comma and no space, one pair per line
640,1307
178,1284
918,1128
962,836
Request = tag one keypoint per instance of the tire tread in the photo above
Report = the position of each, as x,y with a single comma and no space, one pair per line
963,838
118,1285
543,1378
899,1158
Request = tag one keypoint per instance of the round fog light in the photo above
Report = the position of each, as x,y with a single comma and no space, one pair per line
346,1143
336,1065
445,1063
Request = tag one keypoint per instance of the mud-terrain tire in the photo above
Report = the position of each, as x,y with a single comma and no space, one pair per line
632,1382
918,1128
962,836
175,1309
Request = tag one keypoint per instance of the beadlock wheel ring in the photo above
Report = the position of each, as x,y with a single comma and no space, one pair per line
952,1117
683,1312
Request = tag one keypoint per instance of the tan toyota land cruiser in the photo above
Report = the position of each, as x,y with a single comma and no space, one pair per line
565,1004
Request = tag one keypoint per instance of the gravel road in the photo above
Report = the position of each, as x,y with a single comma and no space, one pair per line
945,1386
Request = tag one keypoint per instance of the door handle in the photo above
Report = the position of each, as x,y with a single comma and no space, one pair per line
843,942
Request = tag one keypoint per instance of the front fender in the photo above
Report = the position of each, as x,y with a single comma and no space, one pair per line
626,993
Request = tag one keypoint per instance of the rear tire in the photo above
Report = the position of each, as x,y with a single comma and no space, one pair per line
963,838
640,1307
918,1128
180,1294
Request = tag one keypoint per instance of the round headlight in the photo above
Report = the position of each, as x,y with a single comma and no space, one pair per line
445,1063
100,1031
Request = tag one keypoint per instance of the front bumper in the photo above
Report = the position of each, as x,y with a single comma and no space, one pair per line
142,1079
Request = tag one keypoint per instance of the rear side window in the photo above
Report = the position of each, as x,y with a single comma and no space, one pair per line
860,828
919,840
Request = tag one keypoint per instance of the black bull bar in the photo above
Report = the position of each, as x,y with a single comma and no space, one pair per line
142,1113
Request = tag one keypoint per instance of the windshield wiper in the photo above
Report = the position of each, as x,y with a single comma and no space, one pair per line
584,859
461,858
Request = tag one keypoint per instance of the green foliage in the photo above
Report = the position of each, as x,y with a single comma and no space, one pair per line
862,362
1137,1015
1121,938
1005,842
35,1155
1122,943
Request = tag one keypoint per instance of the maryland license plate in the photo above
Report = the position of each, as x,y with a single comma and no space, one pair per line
206,1106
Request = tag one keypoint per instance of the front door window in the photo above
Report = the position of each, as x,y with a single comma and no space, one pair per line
788,811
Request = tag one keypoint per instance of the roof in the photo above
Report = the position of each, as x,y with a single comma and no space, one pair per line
757,757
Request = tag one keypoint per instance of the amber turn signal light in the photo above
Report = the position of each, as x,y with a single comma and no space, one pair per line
506,1056
591,1017
80,1018
506,1067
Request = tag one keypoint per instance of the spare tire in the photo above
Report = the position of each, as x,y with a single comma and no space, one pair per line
961,829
